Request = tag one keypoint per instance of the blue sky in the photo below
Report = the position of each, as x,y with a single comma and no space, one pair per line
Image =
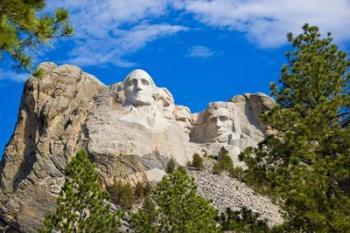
201,50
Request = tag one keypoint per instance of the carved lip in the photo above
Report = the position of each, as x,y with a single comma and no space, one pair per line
141,94
220,132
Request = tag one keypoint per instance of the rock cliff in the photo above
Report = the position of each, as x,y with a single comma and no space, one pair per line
130,129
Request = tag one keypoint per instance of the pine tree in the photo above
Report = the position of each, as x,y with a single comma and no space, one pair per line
23,28
174,207
224,162
243,221
142,190
308,158
82,207
127,197
171,165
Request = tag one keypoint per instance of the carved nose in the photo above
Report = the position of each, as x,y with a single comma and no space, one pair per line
218,124
139,87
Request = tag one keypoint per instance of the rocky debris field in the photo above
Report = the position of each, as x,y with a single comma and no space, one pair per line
225,191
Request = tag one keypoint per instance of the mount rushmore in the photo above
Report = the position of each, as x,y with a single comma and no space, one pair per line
130,129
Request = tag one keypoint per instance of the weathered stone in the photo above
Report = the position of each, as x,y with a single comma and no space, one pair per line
130,129
52,112
226,192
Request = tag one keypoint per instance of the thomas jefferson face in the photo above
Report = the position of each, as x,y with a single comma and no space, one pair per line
139,88
219,124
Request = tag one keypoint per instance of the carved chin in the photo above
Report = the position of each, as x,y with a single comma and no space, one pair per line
142,102
138,101
222,138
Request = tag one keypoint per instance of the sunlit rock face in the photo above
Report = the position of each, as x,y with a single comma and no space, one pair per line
139,89
219,123
130,129
184,117
133,127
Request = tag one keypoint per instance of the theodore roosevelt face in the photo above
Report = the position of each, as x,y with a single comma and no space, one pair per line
183,116
139,88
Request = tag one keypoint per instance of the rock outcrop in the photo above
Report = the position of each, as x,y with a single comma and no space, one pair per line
130,129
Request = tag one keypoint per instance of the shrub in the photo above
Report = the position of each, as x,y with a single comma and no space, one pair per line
142,190
126,198
139,191
122,195
224,162
197,162
243,221
217,169
170,166
236,172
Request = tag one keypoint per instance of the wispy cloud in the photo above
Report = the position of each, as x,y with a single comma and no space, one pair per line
107,31
200,52
13,76
111,49
266,22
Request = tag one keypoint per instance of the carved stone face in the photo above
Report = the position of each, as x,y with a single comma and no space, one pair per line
219,124
166,102
139,88
183,116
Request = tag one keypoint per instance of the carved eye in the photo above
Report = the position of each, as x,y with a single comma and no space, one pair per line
223,118
145,82
213,119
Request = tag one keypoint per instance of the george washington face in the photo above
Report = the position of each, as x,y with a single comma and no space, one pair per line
139,88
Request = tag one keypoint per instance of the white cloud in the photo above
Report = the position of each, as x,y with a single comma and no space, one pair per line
107,31
266,22
200,52
113,48
13,76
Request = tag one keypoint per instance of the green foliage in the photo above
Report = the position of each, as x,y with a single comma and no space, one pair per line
122,195
243,221
127,197
23,28
224,162
170,166
81,205
197,162
142,190
217,169
144,220
174,207
236,172
305,162
147,189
